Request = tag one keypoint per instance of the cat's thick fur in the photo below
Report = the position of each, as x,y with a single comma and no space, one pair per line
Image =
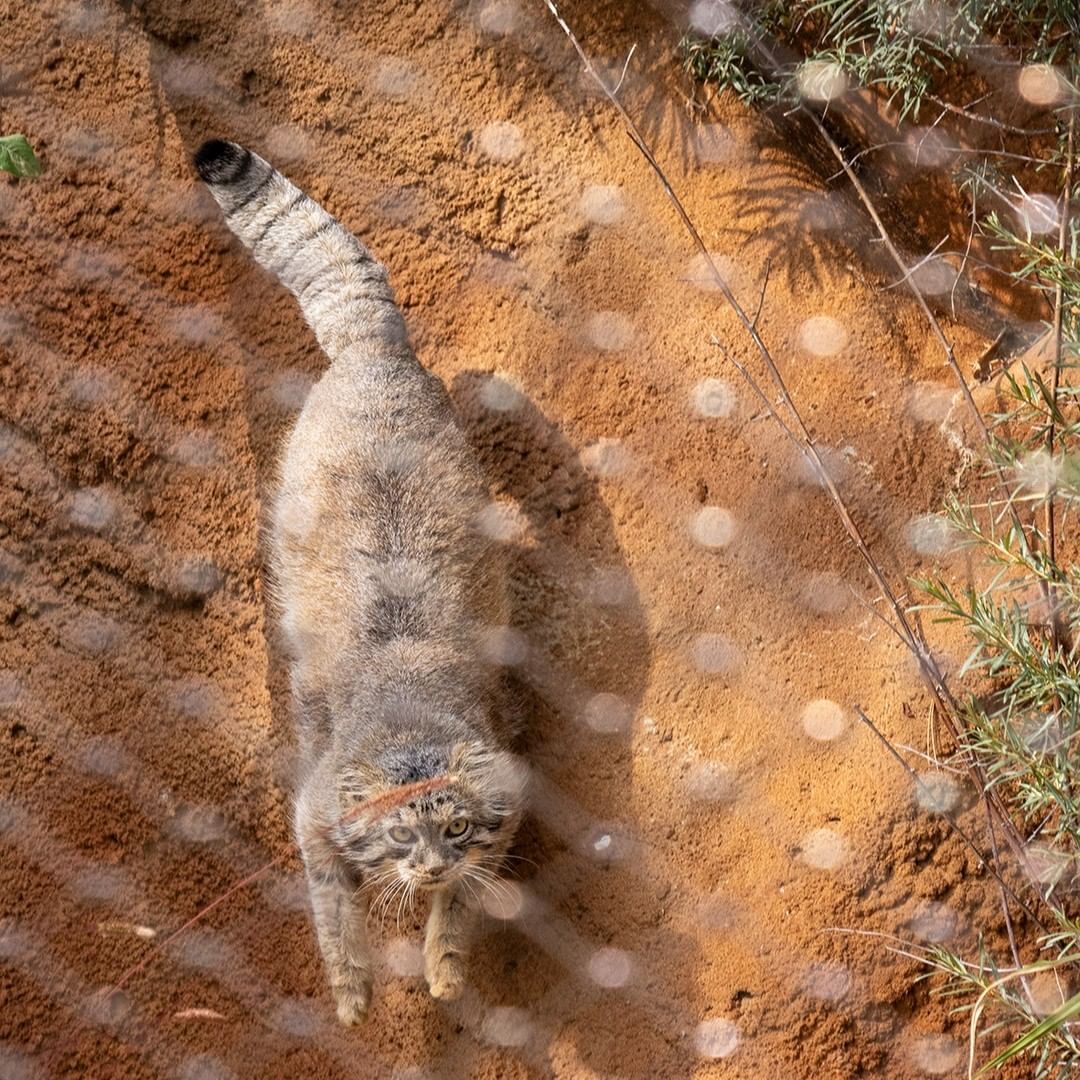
385,582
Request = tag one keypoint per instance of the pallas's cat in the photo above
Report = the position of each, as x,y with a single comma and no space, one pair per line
386,585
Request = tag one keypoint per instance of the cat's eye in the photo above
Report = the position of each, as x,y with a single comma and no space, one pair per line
457,827
400,835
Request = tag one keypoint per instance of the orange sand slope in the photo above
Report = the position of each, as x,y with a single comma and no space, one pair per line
694,632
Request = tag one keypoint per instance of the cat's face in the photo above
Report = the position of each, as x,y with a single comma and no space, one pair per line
435,839
454,833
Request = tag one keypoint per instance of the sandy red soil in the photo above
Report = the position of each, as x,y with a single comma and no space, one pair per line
149,372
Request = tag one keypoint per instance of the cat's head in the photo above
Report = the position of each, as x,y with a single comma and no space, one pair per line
457,829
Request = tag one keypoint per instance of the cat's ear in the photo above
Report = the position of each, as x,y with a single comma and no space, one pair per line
360,782
496,776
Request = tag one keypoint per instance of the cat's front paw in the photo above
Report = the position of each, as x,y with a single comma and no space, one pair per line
446,977
352,993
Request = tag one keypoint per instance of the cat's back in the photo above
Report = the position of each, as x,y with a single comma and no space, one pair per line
377,521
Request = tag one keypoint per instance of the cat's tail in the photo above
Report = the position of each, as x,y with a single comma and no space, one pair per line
343,291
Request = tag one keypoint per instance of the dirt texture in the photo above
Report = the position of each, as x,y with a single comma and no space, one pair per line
700,878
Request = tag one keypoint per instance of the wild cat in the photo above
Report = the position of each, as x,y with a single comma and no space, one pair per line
385,584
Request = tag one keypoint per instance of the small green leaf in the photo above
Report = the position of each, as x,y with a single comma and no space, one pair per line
1054,1021
17,156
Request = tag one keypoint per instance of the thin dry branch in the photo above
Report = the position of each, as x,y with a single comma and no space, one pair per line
931,318
1051,434
990,121
986,863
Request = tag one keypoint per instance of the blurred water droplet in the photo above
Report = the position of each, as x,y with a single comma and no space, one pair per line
929,534
204,1067
498,393
10,689
934,922
609,331
610,967
930,403
936,1054
503,521
823,849
499,17
609,587
826,594
92,508
1049,990
821,80
827,982
607,458
713,527
506,902
199,824
609,714
1038,215
937,792
715,144
287,144
196,449
1041,84
713,398
711,781
822,335
502,141
934,276
713,654
824,720
506,1026
395,78
404,958
927,148
716,1038
602,204
298,1017
713,18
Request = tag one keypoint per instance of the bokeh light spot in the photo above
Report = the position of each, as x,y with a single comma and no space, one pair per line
717,1038
602,204
713,398
610,968
823,849
822,335
713,527
502,141
824,720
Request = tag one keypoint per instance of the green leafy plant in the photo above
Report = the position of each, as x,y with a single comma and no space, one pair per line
17,156
904,47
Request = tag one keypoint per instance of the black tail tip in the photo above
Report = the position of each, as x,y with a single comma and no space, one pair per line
221,162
